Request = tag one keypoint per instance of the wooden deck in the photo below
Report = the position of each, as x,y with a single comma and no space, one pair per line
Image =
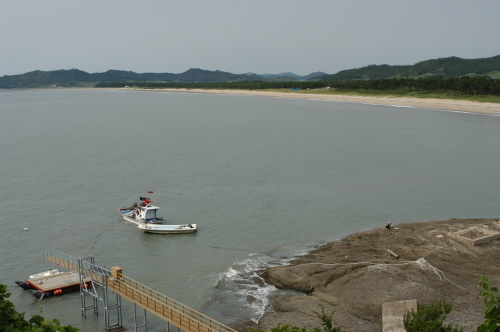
162,306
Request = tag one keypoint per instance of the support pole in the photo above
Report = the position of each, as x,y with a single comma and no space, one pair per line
144,324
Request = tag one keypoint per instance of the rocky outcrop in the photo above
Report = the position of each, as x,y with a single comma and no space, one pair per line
356,275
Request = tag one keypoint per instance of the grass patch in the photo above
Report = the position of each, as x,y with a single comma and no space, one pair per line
494,74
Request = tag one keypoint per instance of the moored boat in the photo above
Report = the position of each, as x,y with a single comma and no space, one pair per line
141,212
144,215
53,282
170,229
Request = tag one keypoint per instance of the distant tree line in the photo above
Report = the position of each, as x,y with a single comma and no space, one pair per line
462,85
443,67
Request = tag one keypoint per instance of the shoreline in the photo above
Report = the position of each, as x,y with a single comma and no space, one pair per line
427,103
451,105
355,276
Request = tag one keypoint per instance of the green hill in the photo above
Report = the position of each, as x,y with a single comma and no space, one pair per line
75,77
444,67
38,77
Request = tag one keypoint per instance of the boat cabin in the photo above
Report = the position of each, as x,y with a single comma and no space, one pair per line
144,210
147,212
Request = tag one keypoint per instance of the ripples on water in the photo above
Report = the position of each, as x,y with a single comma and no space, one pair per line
265,179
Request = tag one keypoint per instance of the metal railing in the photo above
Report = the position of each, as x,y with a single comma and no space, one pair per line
77,264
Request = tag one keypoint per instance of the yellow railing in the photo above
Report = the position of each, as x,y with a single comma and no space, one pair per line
174,312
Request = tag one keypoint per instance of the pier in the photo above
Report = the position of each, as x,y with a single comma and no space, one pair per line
102,280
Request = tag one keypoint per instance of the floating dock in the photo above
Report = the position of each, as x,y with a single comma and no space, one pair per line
56,284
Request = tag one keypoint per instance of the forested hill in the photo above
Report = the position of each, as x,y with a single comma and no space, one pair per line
444,67
76,77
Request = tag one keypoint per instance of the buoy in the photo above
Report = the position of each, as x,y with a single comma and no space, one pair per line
25,229
58,291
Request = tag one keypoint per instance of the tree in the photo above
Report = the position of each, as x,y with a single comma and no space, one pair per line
11,320
491,306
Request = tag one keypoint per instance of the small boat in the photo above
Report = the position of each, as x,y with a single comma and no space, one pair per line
53,282
143,214
168,229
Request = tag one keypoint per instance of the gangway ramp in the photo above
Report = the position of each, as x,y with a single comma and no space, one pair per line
162,306
77,264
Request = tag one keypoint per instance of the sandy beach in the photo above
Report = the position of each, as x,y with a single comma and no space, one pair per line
430,103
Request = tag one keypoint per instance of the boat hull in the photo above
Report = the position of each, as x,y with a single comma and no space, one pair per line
168,229
124,212
24,284
157,228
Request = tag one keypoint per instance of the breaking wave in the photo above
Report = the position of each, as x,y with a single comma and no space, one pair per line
241,294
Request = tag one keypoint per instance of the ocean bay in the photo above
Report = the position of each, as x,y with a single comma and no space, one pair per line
264,179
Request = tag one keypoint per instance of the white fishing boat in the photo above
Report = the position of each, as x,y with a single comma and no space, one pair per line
143,214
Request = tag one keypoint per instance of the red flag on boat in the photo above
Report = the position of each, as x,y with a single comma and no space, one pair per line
150,192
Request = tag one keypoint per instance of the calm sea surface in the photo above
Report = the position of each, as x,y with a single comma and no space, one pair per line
264,179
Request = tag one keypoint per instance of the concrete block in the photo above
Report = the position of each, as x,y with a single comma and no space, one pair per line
475,236
393,312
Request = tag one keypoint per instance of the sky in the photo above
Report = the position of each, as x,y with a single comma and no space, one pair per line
240,36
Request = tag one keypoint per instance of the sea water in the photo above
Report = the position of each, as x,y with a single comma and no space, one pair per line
265,179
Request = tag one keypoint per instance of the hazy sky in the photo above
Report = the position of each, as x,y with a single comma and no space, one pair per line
239,36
